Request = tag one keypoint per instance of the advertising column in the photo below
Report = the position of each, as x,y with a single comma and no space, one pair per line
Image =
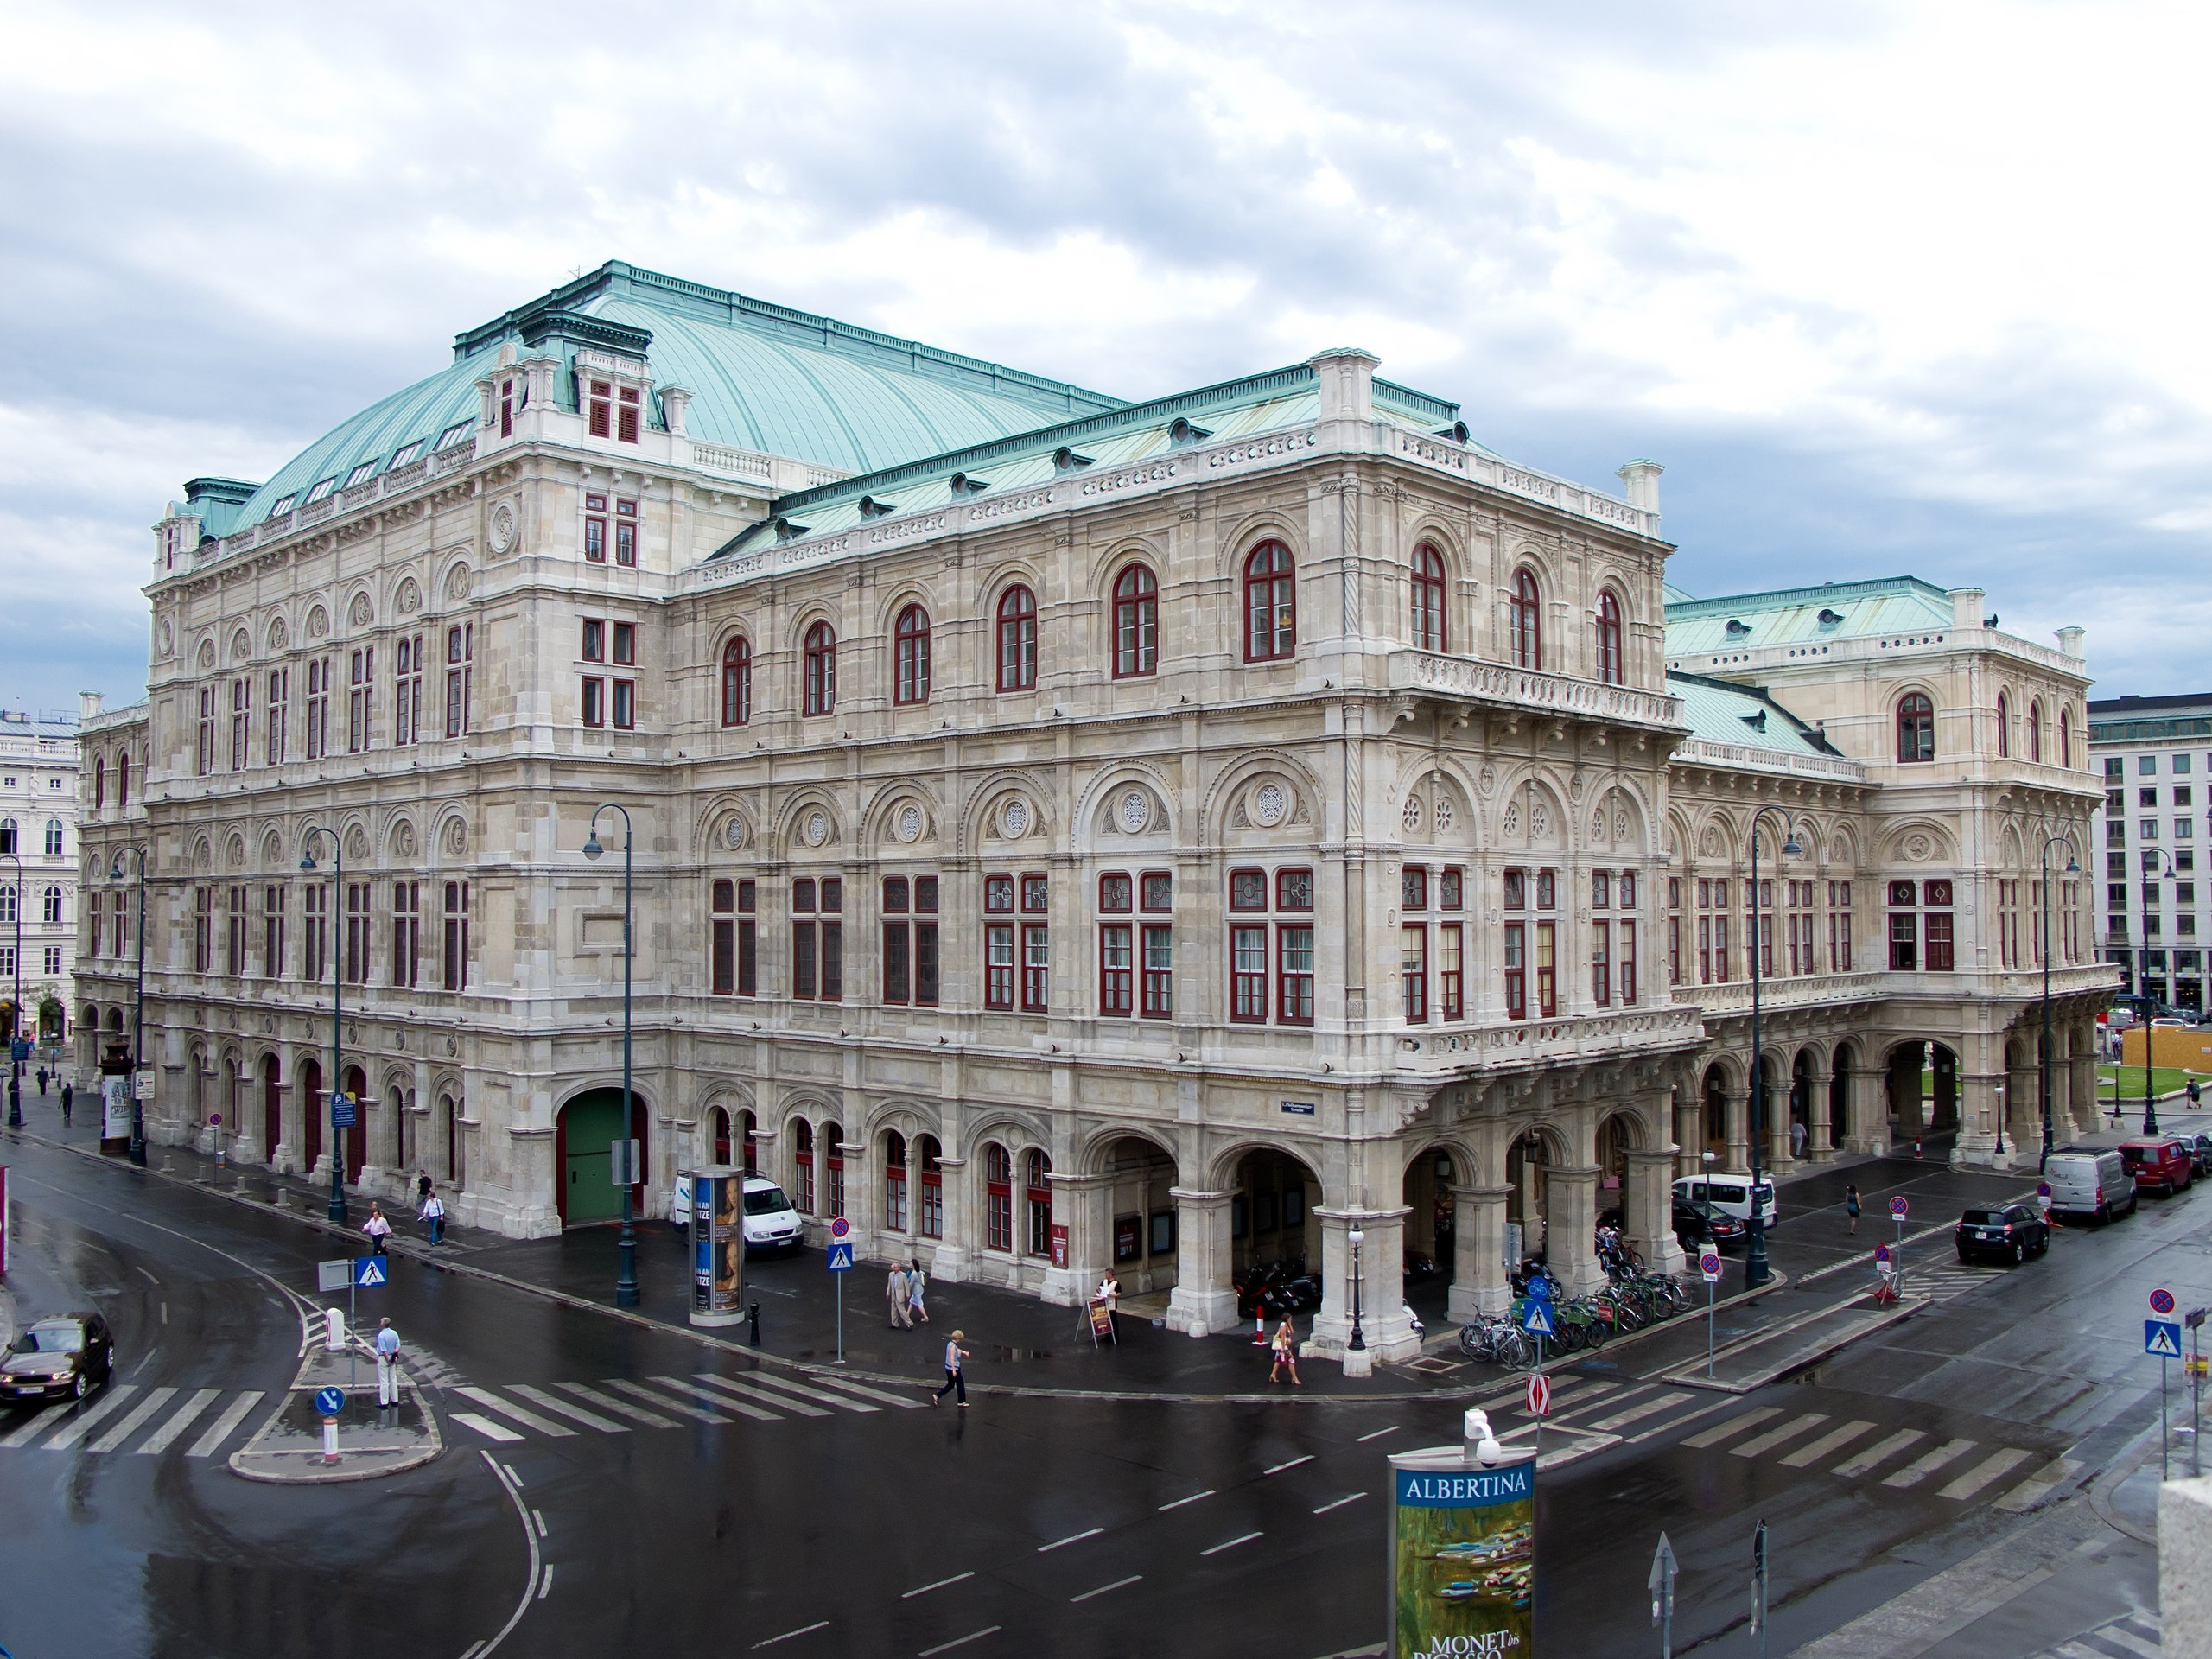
115,1100
1463,1555
717,1245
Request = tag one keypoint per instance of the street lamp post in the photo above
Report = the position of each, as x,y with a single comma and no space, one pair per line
1359,1342
137,1011
625,1273
2072,867
1756,1270
16,1020
332,1085
2159,865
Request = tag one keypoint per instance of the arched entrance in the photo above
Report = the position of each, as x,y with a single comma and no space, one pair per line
718,1134
1141,1215
1715,1114
1800,1103
1923,1088
583,1136
1839,1095
272,1106
1529,1161
312,1111
1432,1220
357,1137
1271,1216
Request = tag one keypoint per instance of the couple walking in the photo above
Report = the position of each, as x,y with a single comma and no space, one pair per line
904,1292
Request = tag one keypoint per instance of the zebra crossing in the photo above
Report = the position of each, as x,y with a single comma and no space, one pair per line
2132,1636
1943,1280
1603,1412
617,1405
125,1411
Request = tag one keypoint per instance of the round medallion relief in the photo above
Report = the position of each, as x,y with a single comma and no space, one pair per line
1135,811
503,527
910,821
734,832
817,828
1015,820
1269,805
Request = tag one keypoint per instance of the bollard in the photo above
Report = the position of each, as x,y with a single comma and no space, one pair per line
330,1440
753,1322
334,1330
1258,1330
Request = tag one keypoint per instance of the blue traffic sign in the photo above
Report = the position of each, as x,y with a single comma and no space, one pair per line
2162,1338
329,1402
840,1256
1536,1318
343,1114
370,1272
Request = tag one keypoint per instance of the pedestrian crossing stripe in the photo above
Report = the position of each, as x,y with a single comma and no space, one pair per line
704,1397
122,1412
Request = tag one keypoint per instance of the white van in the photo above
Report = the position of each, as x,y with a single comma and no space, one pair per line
1730,1194
2090,1181
770,1223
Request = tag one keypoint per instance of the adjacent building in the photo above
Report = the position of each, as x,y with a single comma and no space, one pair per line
2156,757
1061,832
38,869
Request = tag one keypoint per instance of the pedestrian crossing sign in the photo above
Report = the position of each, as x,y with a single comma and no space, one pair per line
2162,1338
841,1256
369,1271
1536,1320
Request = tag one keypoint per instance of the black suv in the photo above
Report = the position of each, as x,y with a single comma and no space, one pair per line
2015,1233
70,1354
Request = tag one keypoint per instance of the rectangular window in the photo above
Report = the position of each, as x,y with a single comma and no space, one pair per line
357,933
1413,887
206,750
1628,964
749,941
1547,970
1627,889
461,673
203,929
1413,966
804,972
1159,971
1937,937
722,939
1516,957
1114,969
280,687
234,934
1450,981
1601,889
593,699
1515,889
625,644
1905,940
406,932
360,699
241,722
1450,889
317,736
626,705
925,942
898,941
601,406
1294,974
407,691
596,529
1248,974
315,933
96,916
1601,966
456,936
626,415
594,648
50,955
626,522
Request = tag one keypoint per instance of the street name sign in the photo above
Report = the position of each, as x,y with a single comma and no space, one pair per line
841,1256
370,1272
1899,1208
1708,1263
334,1275
2162,1338
329,1402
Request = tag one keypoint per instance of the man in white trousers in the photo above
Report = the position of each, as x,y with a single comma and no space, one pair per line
387,1365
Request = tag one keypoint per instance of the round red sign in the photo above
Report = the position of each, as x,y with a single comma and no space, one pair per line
2161,1302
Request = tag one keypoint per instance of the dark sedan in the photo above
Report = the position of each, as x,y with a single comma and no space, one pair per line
70,1354
2013,1233
1697,1222
2200,1148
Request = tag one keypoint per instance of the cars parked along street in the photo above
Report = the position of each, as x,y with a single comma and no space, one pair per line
2013,1233
2090,1181
1697,1224
2163,1164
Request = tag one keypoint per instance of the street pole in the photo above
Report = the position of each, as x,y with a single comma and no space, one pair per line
626,1274
2143,986
2072,867
2196,1319
335,945
1359,1342
138,1011
16,1019
1756,1271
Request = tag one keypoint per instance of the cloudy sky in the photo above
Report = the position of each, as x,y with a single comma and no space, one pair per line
1915,289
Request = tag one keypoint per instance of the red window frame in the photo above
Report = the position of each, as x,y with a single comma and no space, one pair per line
748,939
596,529
1136,622
1248,973
911,682
999,962
1610,659
1036,1187
722,940
1628,964
894,1182
460,675
1601,966
1430,625
1526,614
998,1199
1546,966
1017,616
627,406
928,1220
626,529
599,419
820,667
1515,958
833,1167
737,681
1916,728
1413,962
1157,941
1452,971
1270,604
2035,732
803,1164
2003,727
592,698
1116,948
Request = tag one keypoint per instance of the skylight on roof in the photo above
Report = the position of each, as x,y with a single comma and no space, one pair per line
283,504
405,453
361,475
321,490
455,433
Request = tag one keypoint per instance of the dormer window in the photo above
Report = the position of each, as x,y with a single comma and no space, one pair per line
1183,432
457,433
284,505
1737,630
321,490
361,475
613,411
405,453
871,507
1829,618
1065,460
968,484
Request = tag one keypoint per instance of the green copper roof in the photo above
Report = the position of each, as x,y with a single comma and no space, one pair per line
1789,616
1721,713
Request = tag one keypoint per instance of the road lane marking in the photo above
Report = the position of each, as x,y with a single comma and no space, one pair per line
1736,1425
545,1585
473,1649
1774,1437
1834,1441
1072,1538
529,1419
1376,1435
180,1419
486,1427
574,1413
771,1381
2032,1490
1878,1452
1583,1403
684,1386
2000,1462
530,1584
619,1407
1929,1462
960,1641
939,1585
1232,1543
2120,1637
512,1476
1178,1502
841,1386
803,1630
1118,1584
1293,1464
1339,1503
149,1277
69,1433
752,1391
1638,1412
130,1424
538,1516
37,1423
220,1430
637,1391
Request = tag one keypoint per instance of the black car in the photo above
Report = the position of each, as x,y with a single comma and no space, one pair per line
2015,1233
69,1354
1698,1223
2200,1148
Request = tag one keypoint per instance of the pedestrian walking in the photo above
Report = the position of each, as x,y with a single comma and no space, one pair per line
1797,1141
422,1187
895,1292
433,1212
1285,1348
916,1279
1851,1207
41,1084
956,1379
387,1365
68,1100
2194,1095
1110,1291
377,1227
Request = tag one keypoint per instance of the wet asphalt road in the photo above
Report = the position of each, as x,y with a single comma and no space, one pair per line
1030,1525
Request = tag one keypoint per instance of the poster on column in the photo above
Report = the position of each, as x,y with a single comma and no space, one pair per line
115,1107
1463,1555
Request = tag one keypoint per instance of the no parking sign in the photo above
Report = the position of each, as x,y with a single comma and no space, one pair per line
1708,1263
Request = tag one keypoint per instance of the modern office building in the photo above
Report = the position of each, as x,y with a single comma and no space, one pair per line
2156,756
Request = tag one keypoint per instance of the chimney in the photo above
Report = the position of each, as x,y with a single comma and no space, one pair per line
1642,478
2069,641
1966,606
88,705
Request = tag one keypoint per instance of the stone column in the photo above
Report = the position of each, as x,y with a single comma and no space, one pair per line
1740,1132
954,1253
1383,1325
864,1198
1650,1210
1867,1110
1479,1283
1084,1205
1202,1302
1981,1069
1821,1127
2081,1078
1778,1154
1571,1232
242,1140
1689,1130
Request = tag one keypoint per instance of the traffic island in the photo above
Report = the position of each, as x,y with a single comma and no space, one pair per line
291,1447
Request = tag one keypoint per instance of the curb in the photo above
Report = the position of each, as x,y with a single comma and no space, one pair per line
333,1477
2102,1489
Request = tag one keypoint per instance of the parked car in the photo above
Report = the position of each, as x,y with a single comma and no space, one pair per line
771,1223
71,1354
2014,1233
2200,1150
2161,1164
1697,1222
1731,1194
2090,1181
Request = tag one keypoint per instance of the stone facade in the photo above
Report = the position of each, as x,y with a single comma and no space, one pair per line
38,883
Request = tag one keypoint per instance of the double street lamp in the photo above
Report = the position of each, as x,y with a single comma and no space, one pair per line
2072,867
332,1085
138,1008
1756,1270
625,1273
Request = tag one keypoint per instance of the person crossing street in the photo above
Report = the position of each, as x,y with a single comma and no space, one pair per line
956,1379
433,1211
895,1292
68,1100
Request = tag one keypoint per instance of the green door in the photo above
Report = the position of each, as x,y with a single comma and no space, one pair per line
588,1124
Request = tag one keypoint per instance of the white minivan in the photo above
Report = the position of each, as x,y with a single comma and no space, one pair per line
2090,1181
1730,1194
770,1223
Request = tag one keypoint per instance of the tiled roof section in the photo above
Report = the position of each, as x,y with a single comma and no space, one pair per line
1720,712
1839,610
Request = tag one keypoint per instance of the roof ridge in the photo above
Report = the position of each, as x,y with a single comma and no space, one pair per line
1778,596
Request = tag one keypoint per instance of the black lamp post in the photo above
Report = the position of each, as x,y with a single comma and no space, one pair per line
332,1085
1756,1270
2072,867
1359,1342
16,1020
137,1011
2157,864
626,1274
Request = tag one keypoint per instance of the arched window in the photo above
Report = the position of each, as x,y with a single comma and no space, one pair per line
7,903
2034,731
930,1223
1038,1197
8,837
803,1165
1429,629
2004,725
1526,620
1270,605
49,905
54,837
894,1181
122,780
1610,659
2066,738
1017,639
737,681
718,1128
100,782
1915,728
913,635
833,1169
821,668
998,1199
1136,623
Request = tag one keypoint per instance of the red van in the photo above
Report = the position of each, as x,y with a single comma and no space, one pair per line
2160,1164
